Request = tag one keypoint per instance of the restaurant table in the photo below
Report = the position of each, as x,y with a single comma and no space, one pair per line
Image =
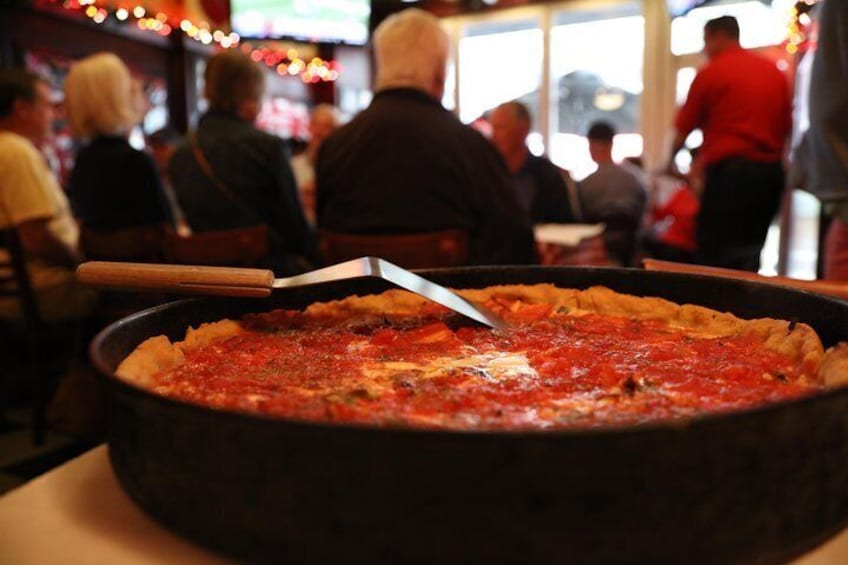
78,514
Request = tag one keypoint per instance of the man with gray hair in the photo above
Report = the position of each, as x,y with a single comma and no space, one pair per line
407,165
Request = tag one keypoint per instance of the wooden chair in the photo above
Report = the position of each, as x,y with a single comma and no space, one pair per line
15,283
139,243
237,247
136,244
446,248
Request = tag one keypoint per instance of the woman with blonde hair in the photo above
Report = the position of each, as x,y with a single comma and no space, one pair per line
112,185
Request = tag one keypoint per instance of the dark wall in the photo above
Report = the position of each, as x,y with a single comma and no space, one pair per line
173,59
25,29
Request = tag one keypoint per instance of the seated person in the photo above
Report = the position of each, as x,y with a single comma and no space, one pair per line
613,195
407,165
162,143
230,174
322,122
112,185
671,233
540,184
32,202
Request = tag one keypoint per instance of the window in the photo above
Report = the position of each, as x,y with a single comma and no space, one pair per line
760,24
594,77
499,61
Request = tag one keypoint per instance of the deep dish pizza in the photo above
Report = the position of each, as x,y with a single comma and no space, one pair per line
570,359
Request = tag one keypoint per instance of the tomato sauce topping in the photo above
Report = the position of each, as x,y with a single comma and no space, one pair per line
548,371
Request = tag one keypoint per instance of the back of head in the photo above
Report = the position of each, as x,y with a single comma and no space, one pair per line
16,84
411,50
724,25
100,97
600,136
720,34
601,131
232,79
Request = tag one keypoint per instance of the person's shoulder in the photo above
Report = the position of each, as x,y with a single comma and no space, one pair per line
262,146
591,177
738,59
117,150
248,133
634,172
14,146
18,153
231,131
544,163
458,134
141,158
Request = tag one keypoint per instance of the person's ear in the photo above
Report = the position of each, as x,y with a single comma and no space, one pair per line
439,78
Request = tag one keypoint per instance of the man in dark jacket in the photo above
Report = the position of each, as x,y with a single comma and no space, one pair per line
407,165
230,174
540,185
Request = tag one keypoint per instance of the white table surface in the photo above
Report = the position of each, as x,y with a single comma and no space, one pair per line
78,514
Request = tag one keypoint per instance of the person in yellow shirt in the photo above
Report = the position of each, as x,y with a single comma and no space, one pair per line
32,202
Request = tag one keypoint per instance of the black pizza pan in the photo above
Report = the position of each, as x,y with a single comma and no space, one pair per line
755,486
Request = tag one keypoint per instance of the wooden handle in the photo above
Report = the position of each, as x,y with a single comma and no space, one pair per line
839,290
185,279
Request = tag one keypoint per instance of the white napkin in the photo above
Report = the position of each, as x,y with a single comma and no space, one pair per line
566,234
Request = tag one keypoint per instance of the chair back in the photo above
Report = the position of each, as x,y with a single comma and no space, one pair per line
446,248
237,247
139,243
14,278
15,282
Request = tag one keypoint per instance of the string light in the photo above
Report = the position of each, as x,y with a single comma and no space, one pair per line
283,61
797,32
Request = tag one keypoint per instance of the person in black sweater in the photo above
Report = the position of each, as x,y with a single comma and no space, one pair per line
407,165
112,185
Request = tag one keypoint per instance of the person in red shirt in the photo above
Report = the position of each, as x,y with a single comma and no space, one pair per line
742,104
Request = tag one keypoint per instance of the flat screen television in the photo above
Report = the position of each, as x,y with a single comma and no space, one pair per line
317,21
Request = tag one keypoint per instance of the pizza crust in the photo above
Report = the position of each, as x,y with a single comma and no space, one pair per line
796,340
158,354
